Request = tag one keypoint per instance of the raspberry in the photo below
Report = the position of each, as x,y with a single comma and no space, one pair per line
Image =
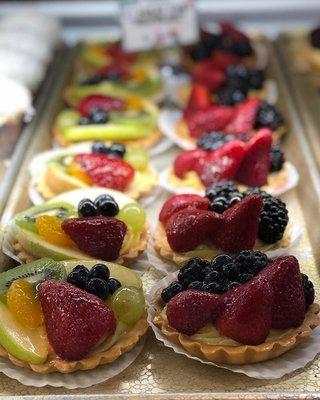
104,103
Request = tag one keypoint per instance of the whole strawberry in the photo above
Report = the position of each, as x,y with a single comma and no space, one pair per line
76,321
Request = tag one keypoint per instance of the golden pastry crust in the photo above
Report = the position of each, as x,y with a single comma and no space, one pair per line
26,257
146,142
243,354
182,130
123,345
162,246
48,187
306,57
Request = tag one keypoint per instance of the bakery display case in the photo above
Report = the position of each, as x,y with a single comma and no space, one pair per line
159,211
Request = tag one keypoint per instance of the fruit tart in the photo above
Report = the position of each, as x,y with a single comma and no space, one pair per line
80,224
305,47
201,116
112,165
69,316
224,220
253,161
113,116
238,310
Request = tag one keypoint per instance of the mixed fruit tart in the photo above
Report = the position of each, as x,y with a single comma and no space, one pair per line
113,116
238,310
137,73
249,161
69,316
202,116
112,165
228,46
80,224
223,220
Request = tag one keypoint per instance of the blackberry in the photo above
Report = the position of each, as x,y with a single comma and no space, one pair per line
268,116
256,78
223,196
242,48
229,96
237,77
273,220
196,285
220,189
277,158
211,41
232,285
193,270
230,271
243,278
214,140
315,37
214,287
219,204
218,261
250,263
200,52
308,289
212,276
170,291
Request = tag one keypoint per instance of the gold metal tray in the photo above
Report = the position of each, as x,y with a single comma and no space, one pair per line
305,87
159,373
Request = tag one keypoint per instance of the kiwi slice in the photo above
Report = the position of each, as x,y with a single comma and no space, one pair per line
27,219
34,272
130,117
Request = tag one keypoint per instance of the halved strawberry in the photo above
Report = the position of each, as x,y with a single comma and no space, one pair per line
199,98
76,321
191,310
247,314
255,166
100,237
187,161
289,307
206,73
221,164
239,228
105,103
243,118
222,59
190,227
181,201
214,118
110,172
230,31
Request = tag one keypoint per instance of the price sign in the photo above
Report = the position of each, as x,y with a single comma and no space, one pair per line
157,24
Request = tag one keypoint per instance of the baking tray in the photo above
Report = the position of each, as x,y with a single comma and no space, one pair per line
15,138
159,373
305,89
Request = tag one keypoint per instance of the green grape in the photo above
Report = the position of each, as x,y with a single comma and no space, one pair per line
68,118
138,158
134,215
128,304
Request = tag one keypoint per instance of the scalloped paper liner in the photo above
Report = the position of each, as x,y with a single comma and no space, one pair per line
150,140
54,364
173,126
161,250
288,362
280,182
12,248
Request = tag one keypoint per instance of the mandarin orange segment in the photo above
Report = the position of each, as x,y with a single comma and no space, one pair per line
77,172
23,303
49,228
134,103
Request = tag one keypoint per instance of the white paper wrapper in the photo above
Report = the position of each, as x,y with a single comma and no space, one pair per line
291,182
168,267
38,165
271,369
74,380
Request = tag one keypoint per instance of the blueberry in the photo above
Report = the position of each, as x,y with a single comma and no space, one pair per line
118,149
106,205
112,76
233,285
220,260
81,268
99,147
169,292
100,271
98,287
78,278
92,80
113,285
84,121
87,208
214,287
98,116
230,271
213,276
196,285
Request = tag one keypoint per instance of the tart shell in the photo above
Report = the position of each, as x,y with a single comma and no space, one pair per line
243,354
162,246
55,364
